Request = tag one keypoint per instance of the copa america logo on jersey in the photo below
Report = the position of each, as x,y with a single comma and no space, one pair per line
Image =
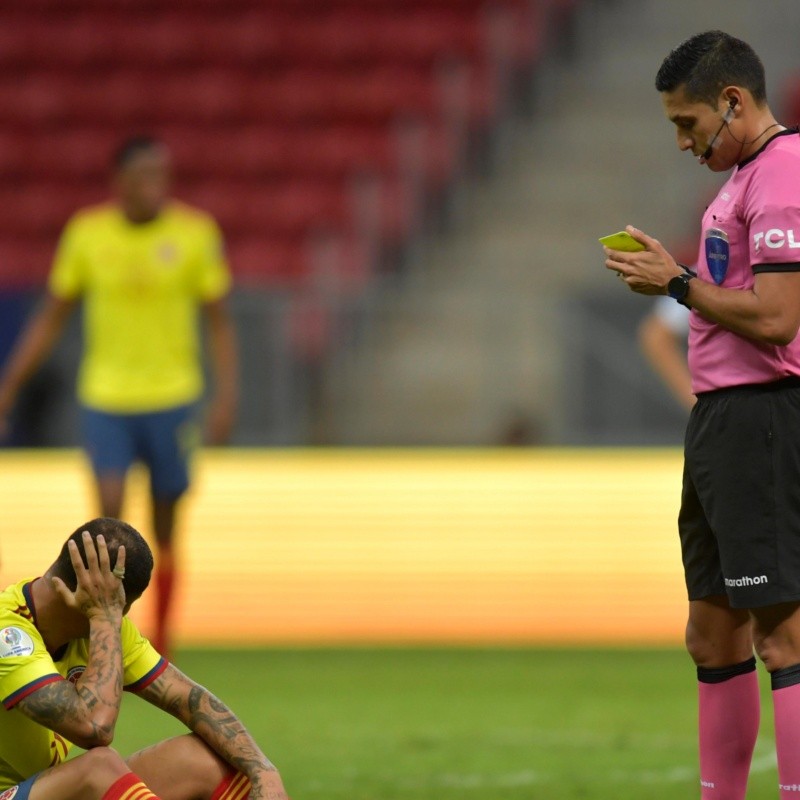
15,642
717,254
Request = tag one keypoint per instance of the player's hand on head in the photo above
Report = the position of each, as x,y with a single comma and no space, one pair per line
99,591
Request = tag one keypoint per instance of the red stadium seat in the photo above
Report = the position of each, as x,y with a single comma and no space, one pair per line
421,35
253,152
34,101
201,96
271,260
24,261
15,147
376,95
82,154
349,37
268,150
42,209
54,99
16,40
250,39
289,207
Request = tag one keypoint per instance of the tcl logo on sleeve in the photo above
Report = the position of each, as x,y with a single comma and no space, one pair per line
775,238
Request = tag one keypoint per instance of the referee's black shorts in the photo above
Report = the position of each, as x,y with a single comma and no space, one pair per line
739,521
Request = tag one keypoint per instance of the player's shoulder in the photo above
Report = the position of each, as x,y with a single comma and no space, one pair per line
17,628
14,595
189,216
94,216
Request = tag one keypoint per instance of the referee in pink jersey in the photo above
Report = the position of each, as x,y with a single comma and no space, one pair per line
739,521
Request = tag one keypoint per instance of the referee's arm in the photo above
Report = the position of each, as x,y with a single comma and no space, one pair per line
769,312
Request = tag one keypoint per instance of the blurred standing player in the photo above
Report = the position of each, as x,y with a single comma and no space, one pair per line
739,521
143,265
67,653
662,339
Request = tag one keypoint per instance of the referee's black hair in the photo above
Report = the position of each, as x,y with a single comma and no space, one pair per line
132,147
138,556
707,62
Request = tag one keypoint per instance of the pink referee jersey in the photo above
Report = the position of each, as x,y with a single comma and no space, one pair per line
752,226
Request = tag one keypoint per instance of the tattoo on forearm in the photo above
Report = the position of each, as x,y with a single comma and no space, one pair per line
86,711
88,696
54,706
216,716
162,694
211,719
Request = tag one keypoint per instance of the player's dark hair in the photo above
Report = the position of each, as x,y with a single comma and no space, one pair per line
132,147
138,556
708,62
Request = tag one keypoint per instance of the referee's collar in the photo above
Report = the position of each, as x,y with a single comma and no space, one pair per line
787,132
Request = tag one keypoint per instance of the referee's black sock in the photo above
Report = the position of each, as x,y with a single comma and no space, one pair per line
786,677
722,674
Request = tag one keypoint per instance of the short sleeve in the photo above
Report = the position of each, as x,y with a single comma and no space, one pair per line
212,278
772,210
142,663
25,664
68,275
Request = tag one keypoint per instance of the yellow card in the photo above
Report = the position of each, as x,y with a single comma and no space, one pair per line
621,241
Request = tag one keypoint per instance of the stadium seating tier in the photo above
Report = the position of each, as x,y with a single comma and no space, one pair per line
288,121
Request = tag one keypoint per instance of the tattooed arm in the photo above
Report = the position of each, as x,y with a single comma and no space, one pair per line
86,713
218,726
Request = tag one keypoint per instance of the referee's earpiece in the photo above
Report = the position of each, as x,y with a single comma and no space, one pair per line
731,112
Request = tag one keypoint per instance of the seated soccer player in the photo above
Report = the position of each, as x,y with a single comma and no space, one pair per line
67,652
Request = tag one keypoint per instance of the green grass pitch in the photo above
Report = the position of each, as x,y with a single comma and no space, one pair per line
458,723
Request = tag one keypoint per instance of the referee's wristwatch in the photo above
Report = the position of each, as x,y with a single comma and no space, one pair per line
678,287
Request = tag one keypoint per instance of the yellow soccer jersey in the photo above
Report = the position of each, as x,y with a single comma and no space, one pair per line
25,666
141,285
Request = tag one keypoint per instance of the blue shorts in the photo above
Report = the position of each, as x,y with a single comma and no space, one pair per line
20,791
161,440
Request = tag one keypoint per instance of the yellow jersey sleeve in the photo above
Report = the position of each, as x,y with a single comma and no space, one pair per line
67,279
141,662
212,276
25,664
